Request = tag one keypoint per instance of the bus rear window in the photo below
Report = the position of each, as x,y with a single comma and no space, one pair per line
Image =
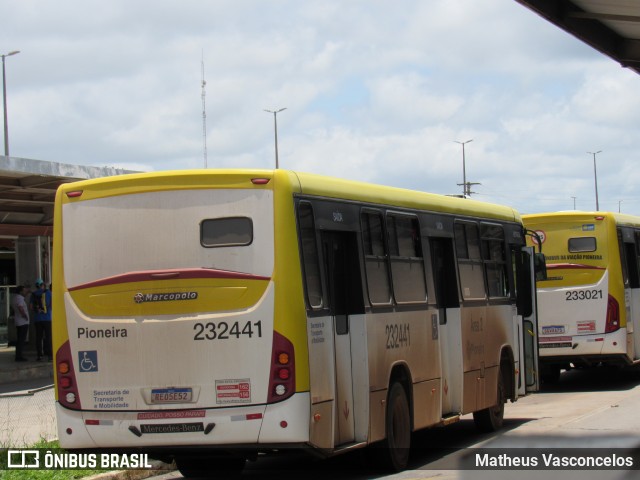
226,232
582,244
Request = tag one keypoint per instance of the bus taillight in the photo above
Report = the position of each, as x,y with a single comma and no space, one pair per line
66,378
613,315
282,377
66,383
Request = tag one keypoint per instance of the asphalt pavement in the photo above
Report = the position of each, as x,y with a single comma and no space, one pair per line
18,376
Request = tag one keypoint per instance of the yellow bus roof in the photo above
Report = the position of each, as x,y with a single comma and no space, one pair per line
303,183
577,215
318,185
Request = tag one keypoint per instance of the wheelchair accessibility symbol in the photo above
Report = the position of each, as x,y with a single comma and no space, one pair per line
88,360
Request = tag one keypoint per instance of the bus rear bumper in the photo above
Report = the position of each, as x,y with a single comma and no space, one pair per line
285,422
587,350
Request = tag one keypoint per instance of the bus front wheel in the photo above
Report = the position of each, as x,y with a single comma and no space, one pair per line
398,428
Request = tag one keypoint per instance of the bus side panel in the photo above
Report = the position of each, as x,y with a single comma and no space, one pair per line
322,379
486,332
360,378
407,340
59,333
633,325
290,312
451,358
427,407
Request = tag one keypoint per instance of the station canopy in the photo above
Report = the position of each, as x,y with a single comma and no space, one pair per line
28,188
610,26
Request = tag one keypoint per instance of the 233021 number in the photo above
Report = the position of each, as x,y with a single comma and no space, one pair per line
583,295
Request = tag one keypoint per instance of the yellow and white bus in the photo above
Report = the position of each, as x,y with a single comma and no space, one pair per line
589,305
208,316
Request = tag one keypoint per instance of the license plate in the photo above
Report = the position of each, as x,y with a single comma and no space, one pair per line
553,330
171,395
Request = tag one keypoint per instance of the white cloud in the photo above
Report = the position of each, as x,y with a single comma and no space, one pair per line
374,91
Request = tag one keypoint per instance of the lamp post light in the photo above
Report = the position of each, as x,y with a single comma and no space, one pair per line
275,129
595,176
465,187
4,101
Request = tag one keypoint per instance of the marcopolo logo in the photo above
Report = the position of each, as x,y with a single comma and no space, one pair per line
164,297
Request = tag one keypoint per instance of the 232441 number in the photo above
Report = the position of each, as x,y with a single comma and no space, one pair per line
398,335
226,330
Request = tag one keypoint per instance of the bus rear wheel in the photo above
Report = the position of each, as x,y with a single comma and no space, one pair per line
492,418
210,467
398,428
550,375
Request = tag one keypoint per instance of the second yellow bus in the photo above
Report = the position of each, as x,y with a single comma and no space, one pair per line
589,305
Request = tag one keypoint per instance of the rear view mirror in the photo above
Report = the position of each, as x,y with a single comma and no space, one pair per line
540,266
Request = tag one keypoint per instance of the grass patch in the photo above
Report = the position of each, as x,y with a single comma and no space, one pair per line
44,474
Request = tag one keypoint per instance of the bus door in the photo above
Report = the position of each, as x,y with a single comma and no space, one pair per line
447,298
346,305
527,307
632,288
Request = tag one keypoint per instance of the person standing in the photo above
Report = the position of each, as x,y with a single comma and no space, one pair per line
41,304
21,316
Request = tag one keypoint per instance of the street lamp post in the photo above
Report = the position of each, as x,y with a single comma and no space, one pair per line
595,176
4,102
465,187
275,129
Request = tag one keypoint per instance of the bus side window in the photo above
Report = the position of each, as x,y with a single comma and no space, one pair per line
444,275
470,265
495,261
310,258
628,260
376,259
407,262
632,265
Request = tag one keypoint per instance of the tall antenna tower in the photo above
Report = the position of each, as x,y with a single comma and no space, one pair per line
204,115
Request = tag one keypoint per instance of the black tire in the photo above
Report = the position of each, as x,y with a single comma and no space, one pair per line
216,467
398,429
492,418
550,375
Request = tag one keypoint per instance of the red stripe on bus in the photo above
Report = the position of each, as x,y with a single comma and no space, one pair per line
573,266
172,274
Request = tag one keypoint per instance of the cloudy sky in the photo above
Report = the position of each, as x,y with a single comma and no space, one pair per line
374,90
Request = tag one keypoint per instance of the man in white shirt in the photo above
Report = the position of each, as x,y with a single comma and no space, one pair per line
21,316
